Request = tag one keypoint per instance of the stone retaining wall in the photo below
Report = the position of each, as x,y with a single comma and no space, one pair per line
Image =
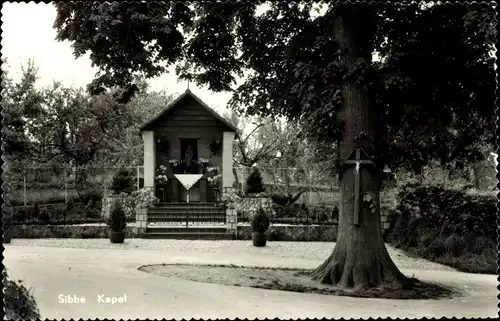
64,231
250,205
275,232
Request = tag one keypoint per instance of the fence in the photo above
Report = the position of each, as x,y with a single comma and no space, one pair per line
318,189
42,185
44,195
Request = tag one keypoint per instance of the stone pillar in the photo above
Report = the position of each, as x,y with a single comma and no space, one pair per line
227,160
149,158
141,221
231,212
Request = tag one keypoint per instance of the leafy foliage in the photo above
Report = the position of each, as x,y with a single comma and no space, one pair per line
58,213
452,227
18,100
123,181
254,184
149,36
451,211
140,199
286,200
257,146
432,86
20,304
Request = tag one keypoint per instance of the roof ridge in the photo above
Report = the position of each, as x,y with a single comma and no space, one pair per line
188,92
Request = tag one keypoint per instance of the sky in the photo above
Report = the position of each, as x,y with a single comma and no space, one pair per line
27,33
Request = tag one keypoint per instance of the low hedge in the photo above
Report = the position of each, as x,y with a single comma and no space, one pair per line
447,226
53,196
65,231
54,213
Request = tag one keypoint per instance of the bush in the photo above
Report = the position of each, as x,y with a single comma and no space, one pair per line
452,227
19,302
453,211
254,184
285,199
123,181
44,216
36,211
53,213
260,221
118,219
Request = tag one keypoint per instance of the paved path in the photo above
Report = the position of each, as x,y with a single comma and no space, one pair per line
53,271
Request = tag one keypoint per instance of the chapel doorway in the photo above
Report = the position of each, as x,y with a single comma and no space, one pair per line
189,154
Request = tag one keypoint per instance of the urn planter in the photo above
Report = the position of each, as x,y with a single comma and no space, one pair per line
259,224
117,224
259,239
116,236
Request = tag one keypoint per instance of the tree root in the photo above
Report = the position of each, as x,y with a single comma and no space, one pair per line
355,272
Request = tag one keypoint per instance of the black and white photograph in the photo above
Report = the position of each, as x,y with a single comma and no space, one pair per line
243,159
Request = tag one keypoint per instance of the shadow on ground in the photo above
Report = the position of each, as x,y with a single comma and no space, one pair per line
293,280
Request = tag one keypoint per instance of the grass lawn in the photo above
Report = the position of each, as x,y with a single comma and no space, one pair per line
294,280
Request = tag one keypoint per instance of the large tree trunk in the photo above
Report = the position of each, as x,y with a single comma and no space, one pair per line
360,258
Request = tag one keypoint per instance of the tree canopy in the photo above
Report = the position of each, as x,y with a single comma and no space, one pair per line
62,126
433,84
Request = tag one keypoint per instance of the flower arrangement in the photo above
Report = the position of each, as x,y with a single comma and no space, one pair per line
140,199
161,175
214,177
197,166
179,166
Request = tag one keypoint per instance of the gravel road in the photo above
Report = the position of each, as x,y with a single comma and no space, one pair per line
315,251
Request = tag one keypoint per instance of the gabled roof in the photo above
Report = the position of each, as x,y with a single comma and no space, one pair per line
186,94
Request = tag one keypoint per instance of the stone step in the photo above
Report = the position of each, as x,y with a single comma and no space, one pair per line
189,205
185,211
188,236
186,208
185,217
195,229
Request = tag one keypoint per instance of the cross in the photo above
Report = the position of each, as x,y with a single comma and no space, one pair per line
188,84
357,188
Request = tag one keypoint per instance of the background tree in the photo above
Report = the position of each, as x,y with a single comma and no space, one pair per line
255,141
20,106
434,75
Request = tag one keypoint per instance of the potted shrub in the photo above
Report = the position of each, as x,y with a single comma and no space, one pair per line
260,223
117,224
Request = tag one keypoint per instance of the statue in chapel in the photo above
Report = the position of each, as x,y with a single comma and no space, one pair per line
188,156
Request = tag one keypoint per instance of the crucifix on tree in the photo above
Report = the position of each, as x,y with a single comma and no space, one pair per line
358,157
